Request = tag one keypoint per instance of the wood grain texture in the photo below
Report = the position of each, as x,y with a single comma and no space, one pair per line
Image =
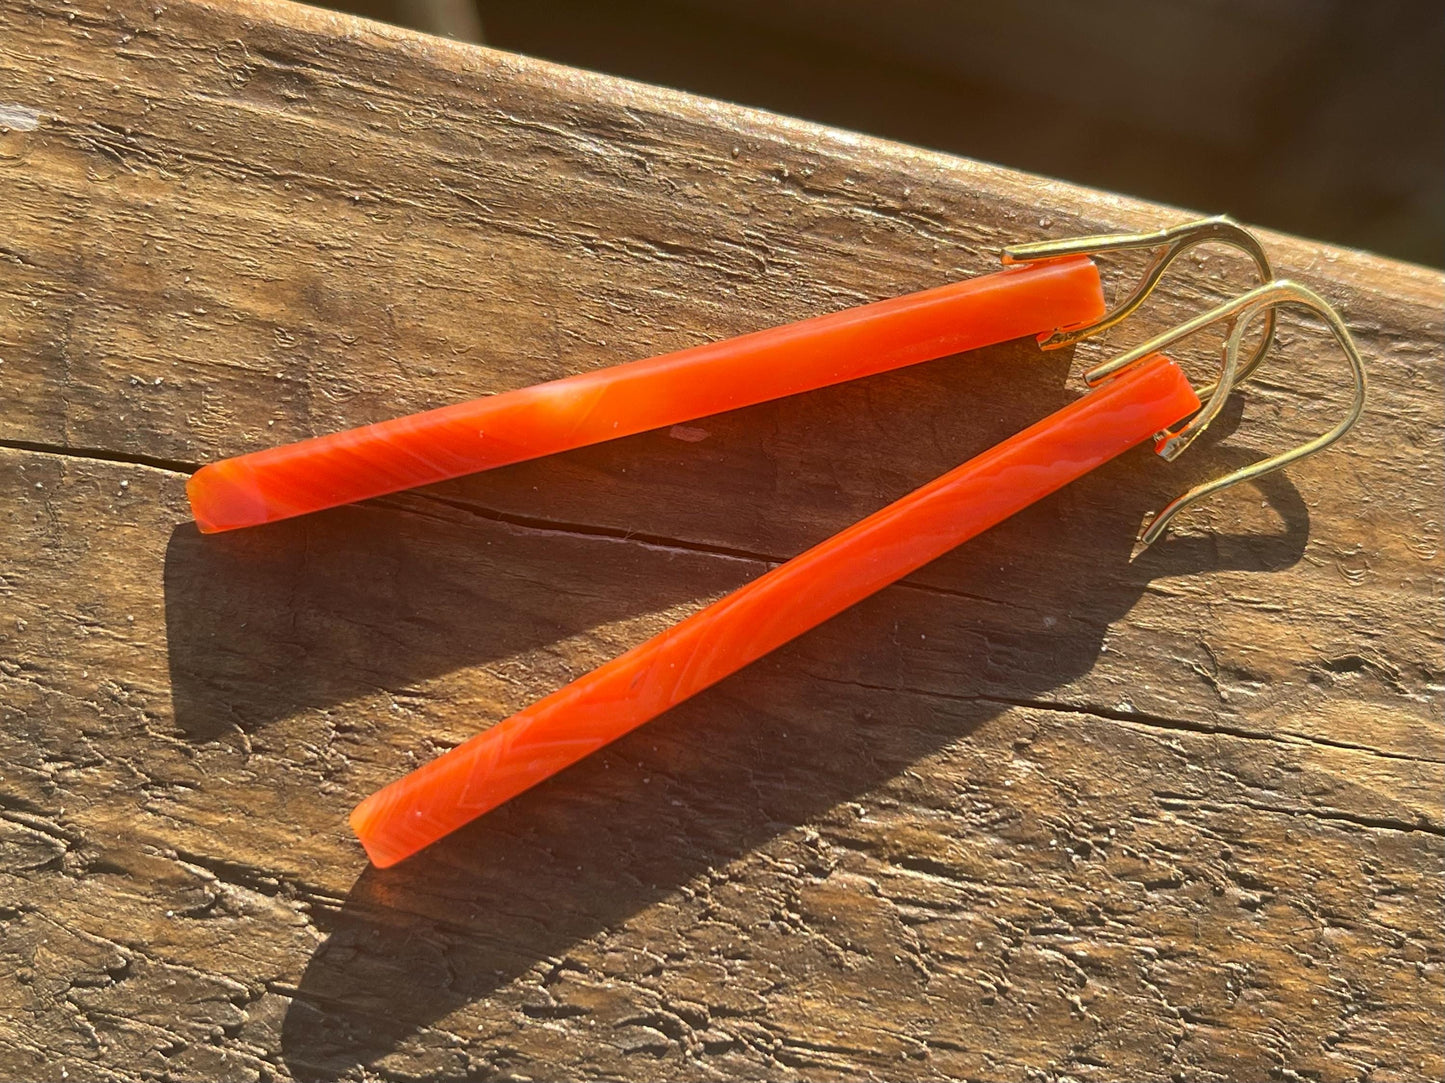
1036,813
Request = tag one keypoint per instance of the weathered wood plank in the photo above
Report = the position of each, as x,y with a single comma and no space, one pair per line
1038,810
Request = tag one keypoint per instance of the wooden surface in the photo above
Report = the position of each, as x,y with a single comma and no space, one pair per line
1037,813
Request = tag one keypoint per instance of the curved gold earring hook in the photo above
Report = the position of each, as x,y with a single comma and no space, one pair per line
1172,243
1240,312
1172,444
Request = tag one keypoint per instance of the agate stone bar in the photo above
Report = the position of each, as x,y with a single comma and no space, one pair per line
615,698
590,407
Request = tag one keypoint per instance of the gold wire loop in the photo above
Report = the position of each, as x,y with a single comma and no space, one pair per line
1239,313
1171,243
1231,374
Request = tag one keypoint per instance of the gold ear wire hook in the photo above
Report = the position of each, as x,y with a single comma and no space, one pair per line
1172,243
1172,444
1240,312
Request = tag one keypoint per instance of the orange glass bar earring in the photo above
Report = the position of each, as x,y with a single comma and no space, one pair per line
1055,291
1140,395
630,398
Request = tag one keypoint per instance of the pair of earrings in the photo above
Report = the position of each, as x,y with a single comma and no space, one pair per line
1050,288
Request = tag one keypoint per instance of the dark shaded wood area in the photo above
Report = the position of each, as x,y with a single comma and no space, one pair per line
1319,117
1038,812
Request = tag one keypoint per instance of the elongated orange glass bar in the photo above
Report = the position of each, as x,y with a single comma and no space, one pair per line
590,407
603,705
